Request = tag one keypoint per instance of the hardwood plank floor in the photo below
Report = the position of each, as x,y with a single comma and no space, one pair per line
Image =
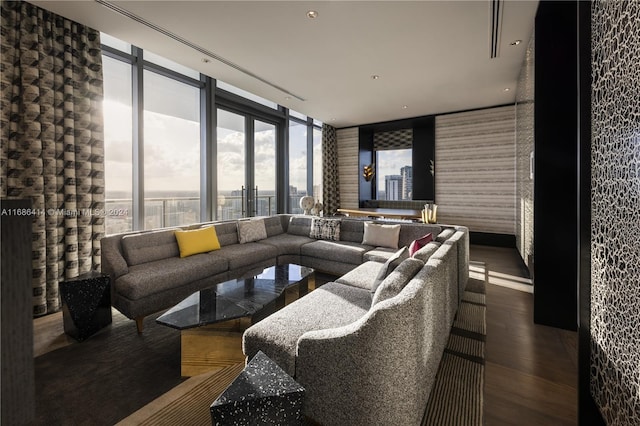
531,370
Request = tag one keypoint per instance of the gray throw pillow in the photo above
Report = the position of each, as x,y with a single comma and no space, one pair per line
389,266
251,230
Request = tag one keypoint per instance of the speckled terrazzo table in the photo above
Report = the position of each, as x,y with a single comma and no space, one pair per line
262,394
86,304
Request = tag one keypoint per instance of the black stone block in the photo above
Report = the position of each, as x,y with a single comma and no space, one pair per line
86,304
262,394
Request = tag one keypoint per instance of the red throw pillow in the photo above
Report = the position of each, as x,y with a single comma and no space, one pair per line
419,243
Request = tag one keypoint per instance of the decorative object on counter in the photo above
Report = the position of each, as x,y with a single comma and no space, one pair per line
262,394
317,208
307,203
86,304
368,172
429,213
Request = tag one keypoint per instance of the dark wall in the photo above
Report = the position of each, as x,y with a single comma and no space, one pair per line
366,189
424,142
556,167
613,154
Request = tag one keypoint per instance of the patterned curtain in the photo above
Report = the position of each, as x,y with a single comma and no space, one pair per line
330,181
52,141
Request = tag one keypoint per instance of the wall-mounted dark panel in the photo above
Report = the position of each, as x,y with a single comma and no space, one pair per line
424,138
365,157
556,171
424,147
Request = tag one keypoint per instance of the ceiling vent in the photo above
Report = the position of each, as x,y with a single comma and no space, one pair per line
495,27
130,15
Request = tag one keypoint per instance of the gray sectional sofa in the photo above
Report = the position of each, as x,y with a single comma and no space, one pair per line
364,357
147,274
370,358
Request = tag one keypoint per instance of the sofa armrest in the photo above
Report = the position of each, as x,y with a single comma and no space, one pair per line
112,260
352,373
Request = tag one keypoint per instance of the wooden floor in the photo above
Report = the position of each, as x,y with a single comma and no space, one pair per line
531,370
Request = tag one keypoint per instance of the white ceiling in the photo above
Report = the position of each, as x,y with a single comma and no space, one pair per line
431,56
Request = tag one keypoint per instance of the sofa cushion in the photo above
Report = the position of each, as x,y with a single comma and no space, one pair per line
332,305
412,231
388,267
299,225
251,230
395,282
273,225
241,255
418,243
445,235
287,243
425,252
339,251
149,246
325,229
378,235
227,233
166,274
351,230
379,254
197,241
362,276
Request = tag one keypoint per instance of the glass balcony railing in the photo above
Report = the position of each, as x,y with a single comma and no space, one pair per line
177,211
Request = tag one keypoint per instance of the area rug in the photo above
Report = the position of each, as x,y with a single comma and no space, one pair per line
108,376
457,397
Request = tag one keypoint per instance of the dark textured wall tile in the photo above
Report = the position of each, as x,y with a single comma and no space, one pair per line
615,198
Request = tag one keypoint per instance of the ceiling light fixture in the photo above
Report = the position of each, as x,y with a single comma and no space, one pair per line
516,42
288,98
312,14
206,60
506,89
375,77
404,107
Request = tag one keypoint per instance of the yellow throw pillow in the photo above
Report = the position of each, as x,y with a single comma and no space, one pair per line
197,241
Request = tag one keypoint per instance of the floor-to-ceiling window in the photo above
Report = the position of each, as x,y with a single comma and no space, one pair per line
298,166
231,160
118,145
171,152
317,161
163,167
264,169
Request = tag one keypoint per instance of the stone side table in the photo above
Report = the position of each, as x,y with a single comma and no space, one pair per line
262,394
86,304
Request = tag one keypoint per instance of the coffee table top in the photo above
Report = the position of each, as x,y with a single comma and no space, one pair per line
234,298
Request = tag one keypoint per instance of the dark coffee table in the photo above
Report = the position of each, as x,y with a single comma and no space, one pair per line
212,320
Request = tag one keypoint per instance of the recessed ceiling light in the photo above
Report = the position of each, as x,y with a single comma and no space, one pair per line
506,89
516,42
287,98
375,77
312,14
404,107
206,60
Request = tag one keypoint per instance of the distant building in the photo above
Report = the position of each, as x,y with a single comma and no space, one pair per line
393,187
407,182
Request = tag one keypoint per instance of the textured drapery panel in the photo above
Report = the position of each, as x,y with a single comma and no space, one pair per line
330,181
52,141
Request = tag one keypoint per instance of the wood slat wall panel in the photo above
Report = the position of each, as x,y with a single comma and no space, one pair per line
348,167
475,169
